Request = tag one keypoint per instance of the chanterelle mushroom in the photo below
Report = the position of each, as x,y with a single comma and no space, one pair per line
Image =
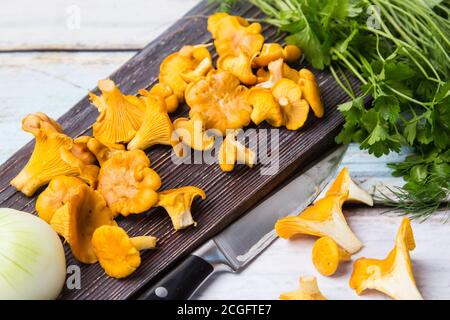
77,219
102,151
232,151
156,127
117,253
128,184
393,275
52,156
58,192
165,92
192,132
324,218
265,108
177,203
308,290
343,184
295,109
233,35
239,65
274,51
277,70
221,100
326,256
120,116
310,90
183,67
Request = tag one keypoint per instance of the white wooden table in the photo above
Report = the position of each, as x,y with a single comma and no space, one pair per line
50,57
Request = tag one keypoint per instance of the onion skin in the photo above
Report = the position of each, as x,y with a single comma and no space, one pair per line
32,260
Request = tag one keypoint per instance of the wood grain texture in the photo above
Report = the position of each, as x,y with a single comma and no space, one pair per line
229,195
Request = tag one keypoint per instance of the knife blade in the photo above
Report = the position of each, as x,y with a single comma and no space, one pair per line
246,238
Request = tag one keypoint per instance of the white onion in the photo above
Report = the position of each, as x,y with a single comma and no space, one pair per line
32,261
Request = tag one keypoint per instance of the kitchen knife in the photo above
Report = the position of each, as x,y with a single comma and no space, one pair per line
244,239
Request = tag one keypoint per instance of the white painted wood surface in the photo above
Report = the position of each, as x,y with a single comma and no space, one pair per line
53,81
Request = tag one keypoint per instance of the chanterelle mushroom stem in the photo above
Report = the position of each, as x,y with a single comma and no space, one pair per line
143,242
283,101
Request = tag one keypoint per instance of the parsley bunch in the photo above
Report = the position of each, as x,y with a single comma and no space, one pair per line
400,52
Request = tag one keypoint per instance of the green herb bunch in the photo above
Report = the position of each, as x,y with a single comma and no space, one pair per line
400,52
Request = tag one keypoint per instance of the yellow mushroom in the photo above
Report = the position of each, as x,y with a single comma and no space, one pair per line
103,152
81,150
308,290
188,64
119,117
311,92
274,51
192,132
233,35
52,156
156,127
392,276
221,100
343,184
323,218
291,53
58,192
265,108
232,151
277,70
177,203
128,184
77,219
295,109
239,65
117,253
326,256
164,92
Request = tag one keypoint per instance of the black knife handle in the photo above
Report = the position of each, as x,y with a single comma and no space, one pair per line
181,282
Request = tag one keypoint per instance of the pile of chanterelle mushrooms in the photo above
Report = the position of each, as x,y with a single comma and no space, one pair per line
92,180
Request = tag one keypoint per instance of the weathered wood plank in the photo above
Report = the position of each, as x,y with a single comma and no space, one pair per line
113,24
229,195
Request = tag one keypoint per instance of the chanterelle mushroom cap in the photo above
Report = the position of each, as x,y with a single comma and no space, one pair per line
184,66
58,192
120,116
311,92
232,151
239,65
128,184
117,253
324,218
156,127
177,203
233,35
308,290
343,184
52,156
326,255
81,150
265,108
102,151
166,93
295,109
274,51
192,132
77,219
393,275
221,100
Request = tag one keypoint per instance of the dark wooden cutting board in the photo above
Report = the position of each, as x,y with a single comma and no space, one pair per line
229,194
